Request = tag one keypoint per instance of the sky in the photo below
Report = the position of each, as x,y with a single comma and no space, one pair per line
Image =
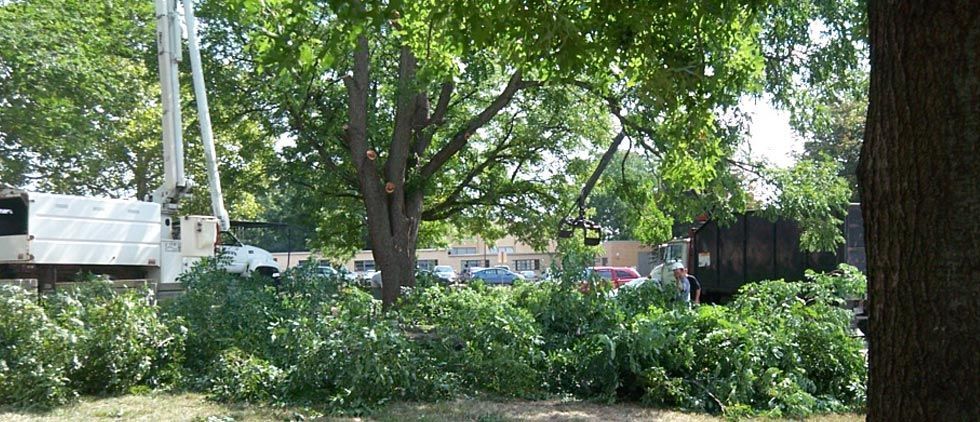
771,137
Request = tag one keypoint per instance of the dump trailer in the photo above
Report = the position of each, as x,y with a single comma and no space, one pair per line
753,248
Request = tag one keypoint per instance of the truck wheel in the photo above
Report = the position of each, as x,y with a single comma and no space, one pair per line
267,272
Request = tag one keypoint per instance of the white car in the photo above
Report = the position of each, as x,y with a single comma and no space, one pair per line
445,273
529,275
331,272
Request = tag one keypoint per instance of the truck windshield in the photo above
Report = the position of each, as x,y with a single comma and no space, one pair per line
228,239
658,257
13,216
675,252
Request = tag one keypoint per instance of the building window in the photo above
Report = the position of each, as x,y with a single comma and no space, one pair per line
463,250
468,263
426,264
504,249
362,266
527,264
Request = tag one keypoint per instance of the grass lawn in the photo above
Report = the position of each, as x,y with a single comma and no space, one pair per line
193,407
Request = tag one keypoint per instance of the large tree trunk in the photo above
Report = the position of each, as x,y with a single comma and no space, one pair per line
920,182
396,261
394,252
393,211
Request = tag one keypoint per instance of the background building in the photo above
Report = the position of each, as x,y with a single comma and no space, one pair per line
475,252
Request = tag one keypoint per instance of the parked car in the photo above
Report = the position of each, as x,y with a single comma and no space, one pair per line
617,275
467,273
445,273
497,276
331,272
529,275
377,280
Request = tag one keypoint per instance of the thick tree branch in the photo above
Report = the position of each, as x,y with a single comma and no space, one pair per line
493,157
358,86
461,137
606,158
616,109
406,104
442,105
411,112
438,117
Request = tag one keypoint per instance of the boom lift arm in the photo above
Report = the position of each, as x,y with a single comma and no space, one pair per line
591,230
175,184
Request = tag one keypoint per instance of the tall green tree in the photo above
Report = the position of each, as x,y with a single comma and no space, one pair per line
836,132
77,97
426,111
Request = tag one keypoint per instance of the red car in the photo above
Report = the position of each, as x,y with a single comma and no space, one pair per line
617,275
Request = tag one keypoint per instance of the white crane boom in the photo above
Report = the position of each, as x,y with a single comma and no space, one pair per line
204,116
168,57
169,49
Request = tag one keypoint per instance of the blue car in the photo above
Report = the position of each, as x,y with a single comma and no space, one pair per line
497,276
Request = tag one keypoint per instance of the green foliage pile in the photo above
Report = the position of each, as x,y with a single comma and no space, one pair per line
778,349
33,354
86,340
480,336
308,339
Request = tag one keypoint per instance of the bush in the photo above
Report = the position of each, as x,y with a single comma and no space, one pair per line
357,359
87,339
223,311
120,342
580,331
240,377
34,353
481,337
778,349
312,338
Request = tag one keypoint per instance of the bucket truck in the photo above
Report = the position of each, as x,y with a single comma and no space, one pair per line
46,239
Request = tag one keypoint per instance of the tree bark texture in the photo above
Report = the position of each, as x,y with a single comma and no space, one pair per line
920,182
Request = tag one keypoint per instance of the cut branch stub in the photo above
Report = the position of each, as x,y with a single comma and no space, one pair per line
371,155
390,187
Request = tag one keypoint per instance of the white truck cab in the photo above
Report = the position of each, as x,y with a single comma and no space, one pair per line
666,254
245,259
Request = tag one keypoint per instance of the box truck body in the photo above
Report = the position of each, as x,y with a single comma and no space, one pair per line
42,228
